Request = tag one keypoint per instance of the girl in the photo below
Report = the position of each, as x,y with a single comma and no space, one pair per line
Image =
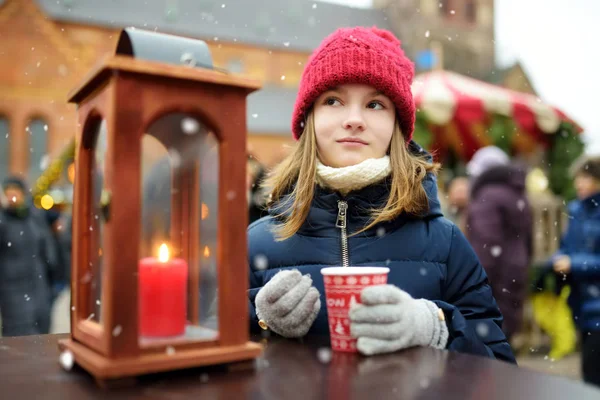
358,191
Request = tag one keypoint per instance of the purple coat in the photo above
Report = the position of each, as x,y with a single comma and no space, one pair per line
499,227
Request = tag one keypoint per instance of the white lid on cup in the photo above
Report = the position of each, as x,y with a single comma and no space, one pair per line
354,270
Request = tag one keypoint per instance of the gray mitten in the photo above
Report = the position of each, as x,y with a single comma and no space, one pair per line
288,304
389,319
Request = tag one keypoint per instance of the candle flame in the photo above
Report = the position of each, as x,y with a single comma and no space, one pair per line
206,251
163,253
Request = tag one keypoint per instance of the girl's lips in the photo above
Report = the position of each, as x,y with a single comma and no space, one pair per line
352,142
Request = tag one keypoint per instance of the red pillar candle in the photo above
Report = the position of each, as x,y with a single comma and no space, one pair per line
162,285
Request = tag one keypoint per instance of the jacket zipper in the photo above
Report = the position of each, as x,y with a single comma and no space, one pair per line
341,223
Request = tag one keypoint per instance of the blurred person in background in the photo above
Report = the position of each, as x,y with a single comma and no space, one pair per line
27,260
578,259
458,200
60,238
499,227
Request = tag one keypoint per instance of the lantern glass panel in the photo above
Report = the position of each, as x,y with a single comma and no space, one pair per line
177,271
92,273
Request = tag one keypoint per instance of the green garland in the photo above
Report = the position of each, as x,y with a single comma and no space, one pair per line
501,133
422,135
565,148
54,171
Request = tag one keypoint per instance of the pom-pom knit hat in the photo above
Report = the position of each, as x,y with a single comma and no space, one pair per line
369,56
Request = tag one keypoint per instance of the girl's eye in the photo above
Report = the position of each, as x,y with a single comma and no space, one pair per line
375,105
332,101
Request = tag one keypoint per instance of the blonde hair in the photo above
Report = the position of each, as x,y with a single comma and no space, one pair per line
297,173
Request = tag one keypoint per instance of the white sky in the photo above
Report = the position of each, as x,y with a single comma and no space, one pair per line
554,40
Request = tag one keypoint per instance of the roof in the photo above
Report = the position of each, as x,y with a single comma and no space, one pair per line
297,25
287,24
270,110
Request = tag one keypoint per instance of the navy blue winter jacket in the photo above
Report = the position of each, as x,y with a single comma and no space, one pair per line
581,243
428,257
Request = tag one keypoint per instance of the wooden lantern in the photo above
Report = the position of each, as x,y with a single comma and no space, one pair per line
128,92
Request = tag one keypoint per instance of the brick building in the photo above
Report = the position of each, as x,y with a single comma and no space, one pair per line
462,31
47,46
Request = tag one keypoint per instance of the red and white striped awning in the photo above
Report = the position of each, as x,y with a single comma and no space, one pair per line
447,98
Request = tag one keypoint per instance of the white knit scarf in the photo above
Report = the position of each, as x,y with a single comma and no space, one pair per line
354,177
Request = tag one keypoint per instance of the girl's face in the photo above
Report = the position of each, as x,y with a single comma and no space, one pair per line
353,123
586,186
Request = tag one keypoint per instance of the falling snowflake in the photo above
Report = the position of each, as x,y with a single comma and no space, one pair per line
286,44
66,360
97,302
324,355
380,231
27,298
204,378
482,330
261,262
9,244
283,77
190,126
92,315
231,195
86,278
223,5
254,115
170,350
423,271
521,204
594,291
117,330
314,6
424,383
427,34
496,251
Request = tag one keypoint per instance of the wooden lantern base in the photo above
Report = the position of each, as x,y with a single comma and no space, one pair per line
106,369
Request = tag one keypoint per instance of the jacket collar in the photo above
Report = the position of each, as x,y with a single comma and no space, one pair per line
321,220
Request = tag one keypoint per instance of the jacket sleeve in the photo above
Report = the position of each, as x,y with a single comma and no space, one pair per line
485,230
585,266
255,286
473,318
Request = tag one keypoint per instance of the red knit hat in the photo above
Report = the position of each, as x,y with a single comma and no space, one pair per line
358,55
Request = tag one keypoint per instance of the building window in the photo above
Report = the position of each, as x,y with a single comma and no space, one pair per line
471,11
4,147
38,147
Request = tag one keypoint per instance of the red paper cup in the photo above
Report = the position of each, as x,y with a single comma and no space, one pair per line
342,289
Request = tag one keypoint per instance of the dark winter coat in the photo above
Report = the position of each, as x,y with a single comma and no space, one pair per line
27,259
428,257
499,227
581,243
